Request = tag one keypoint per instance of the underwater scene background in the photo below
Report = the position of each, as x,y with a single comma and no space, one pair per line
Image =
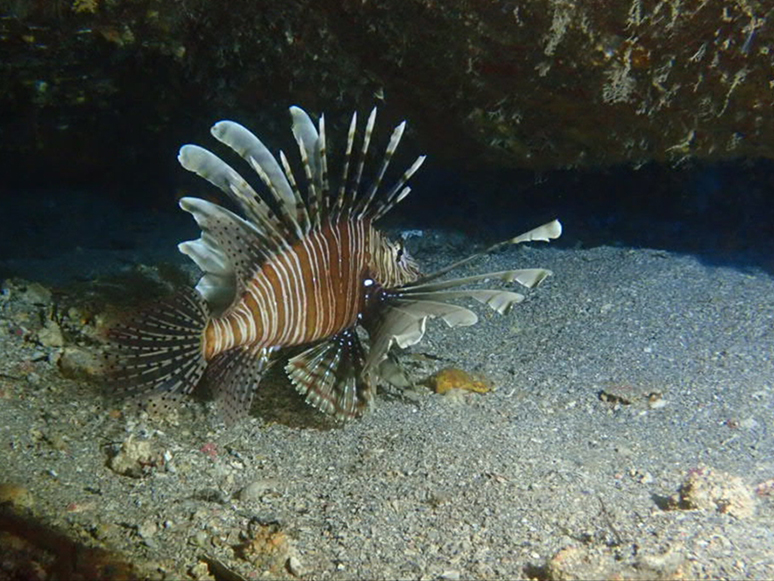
616,424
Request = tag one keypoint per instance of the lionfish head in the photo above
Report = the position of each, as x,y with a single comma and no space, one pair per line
391,265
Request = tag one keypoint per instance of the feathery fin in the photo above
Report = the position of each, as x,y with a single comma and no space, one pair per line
309,146
159,349
403,322
363,155
263,163
233,377
345,198
229,251
405,309
330,375
363,206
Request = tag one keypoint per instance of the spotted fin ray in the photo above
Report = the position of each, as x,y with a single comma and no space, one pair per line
330,376
234,376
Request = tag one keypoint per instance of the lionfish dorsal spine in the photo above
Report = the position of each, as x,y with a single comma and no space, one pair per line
363,205
398,192
355,187
301,211
213,169
245,144
343,198
308,140
323,148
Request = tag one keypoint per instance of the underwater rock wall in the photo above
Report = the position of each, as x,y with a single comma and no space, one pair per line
93,87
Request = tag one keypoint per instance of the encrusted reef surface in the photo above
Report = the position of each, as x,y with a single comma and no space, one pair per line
535,84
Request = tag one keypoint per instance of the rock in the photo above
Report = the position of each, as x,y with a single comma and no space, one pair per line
51,334
78,363
254,491
705,488
18,497
201,572
295,567
36,294
135,458
596,562
452,378
599,62
573,563
268,546
147,529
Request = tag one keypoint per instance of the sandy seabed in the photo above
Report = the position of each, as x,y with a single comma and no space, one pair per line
629,436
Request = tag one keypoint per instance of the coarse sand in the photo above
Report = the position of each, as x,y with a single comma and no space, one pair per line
628,436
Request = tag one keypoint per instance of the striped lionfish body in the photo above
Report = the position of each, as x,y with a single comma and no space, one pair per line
304,270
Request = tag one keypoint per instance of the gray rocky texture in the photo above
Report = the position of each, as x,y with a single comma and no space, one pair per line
105,87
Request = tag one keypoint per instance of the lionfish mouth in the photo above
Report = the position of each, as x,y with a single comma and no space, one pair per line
303,266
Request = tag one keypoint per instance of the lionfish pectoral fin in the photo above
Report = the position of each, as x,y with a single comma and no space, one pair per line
402,322
497,299
391,371
330,376
544,233
234,376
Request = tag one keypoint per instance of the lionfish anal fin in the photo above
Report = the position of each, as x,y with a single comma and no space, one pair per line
233,377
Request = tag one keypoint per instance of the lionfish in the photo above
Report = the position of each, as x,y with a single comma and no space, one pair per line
304,270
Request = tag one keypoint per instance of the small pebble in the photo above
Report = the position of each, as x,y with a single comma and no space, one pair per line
295,567
147,529
656,401
51,335
256,489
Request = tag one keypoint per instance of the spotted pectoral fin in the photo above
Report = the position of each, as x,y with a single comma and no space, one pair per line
233,377
330,376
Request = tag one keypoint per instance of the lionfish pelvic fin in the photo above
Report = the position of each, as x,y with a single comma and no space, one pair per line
330,376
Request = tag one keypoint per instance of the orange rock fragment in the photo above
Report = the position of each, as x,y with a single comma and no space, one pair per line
454,378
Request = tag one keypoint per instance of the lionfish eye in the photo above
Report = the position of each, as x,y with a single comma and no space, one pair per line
400,252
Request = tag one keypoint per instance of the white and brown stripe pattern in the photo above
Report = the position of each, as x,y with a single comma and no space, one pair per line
309,292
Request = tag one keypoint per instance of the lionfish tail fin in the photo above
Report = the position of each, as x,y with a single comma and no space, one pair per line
159,350
330,376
